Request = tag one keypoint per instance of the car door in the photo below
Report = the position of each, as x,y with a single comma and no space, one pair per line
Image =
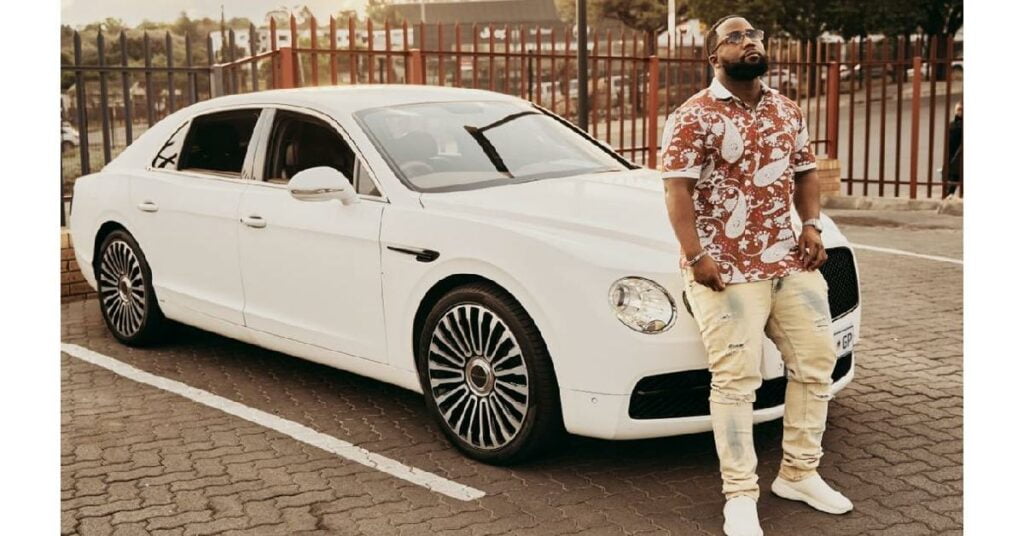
311,270
187,212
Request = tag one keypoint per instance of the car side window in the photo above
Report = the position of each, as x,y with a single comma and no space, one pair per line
217,142
171,149
299,142
364,184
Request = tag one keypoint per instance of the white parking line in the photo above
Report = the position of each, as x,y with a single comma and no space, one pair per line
909,254
292,429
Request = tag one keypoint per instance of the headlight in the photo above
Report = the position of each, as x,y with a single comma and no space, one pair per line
642,304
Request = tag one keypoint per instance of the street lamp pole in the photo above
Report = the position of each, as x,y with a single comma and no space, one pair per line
671,25
583,106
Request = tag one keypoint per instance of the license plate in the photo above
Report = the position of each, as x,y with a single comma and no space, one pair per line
844,340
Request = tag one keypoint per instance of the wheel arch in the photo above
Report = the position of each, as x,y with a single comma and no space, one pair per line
104,230
447,283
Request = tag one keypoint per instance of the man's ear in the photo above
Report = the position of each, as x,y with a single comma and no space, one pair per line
713,60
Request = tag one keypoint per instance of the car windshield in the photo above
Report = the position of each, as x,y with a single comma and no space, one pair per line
451,146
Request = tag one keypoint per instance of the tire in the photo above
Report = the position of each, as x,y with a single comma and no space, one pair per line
124,284
469,330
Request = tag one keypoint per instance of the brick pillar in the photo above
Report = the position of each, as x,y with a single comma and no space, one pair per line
72,284
828,176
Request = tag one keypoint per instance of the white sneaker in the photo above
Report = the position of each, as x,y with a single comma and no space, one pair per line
813,491
741,517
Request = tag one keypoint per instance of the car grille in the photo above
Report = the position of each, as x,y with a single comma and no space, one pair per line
685,394
841,275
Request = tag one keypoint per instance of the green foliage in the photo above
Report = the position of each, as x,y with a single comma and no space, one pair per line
380,11
641,15
806,19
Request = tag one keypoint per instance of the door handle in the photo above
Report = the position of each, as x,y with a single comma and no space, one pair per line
148,206
255,222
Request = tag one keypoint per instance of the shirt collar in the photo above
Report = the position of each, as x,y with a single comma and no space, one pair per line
721,93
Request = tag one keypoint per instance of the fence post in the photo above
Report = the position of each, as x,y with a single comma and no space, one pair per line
832,110
286,70
652,112
416,71
216,81
915,126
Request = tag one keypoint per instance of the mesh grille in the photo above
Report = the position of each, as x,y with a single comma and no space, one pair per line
685,394
841,275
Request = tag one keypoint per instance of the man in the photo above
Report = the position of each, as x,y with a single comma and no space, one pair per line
735,157
955,163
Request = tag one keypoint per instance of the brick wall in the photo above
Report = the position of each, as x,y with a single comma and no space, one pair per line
828,177
72,284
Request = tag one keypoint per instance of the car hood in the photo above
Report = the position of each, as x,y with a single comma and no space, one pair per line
624,206
627,206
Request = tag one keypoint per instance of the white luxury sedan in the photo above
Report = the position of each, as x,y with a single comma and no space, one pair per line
464,244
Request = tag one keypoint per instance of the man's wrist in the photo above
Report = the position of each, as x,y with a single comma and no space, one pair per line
813,223
694,259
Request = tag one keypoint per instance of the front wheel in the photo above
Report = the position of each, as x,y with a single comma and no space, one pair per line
487,376
125,289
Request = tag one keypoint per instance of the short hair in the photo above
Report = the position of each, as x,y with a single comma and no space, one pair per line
711,38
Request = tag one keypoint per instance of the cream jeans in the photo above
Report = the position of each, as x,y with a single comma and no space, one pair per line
793,311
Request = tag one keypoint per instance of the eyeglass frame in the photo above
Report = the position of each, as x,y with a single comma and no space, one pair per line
742,33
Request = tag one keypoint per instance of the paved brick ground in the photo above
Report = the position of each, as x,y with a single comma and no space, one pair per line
138,460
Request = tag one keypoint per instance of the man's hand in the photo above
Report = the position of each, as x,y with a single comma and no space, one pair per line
706,273
812,251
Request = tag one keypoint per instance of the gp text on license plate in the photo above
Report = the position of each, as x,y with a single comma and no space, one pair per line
844,340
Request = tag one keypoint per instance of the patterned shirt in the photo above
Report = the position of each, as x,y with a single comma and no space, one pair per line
744,161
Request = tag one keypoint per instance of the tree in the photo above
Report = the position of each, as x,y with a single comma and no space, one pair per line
762,14
380,11
647,16
567,11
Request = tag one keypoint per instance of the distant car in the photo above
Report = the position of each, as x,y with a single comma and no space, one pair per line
956,65
875,70
463,244
786,81
68,137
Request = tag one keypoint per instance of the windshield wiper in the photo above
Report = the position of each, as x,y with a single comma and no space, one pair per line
477,133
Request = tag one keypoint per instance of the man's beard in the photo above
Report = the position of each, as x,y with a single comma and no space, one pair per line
743,70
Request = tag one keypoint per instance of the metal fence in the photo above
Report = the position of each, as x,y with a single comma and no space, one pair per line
853,94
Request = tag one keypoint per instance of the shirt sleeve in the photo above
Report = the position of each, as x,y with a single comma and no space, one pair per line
682,147
802,157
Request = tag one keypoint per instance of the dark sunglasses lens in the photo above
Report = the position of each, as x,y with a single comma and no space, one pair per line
755,35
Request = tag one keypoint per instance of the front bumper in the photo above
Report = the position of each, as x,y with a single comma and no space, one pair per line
669,402
608,416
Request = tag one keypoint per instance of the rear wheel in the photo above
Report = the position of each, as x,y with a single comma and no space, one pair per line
124,284
487,376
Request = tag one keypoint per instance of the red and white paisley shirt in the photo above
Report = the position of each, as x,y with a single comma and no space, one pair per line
744,161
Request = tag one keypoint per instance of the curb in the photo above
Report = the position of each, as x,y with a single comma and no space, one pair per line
952,206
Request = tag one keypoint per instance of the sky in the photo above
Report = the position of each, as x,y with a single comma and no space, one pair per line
81,12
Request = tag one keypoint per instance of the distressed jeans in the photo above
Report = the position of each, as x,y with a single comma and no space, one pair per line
793,311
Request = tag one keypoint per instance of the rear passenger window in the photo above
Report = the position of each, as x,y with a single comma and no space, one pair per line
218,142
168,155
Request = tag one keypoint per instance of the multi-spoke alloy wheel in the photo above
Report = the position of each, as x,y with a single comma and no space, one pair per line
125,293
478,377
486,375
121,288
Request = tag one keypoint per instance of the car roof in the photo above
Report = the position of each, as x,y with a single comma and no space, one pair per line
350,99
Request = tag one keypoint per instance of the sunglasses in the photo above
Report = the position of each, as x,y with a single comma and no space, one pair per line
736,37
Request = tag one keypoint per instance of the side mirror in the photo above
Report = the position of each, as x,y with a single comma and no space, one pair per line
322,184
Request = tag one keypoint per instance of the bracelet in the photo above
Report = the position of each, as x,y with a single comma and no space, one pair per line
690,262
